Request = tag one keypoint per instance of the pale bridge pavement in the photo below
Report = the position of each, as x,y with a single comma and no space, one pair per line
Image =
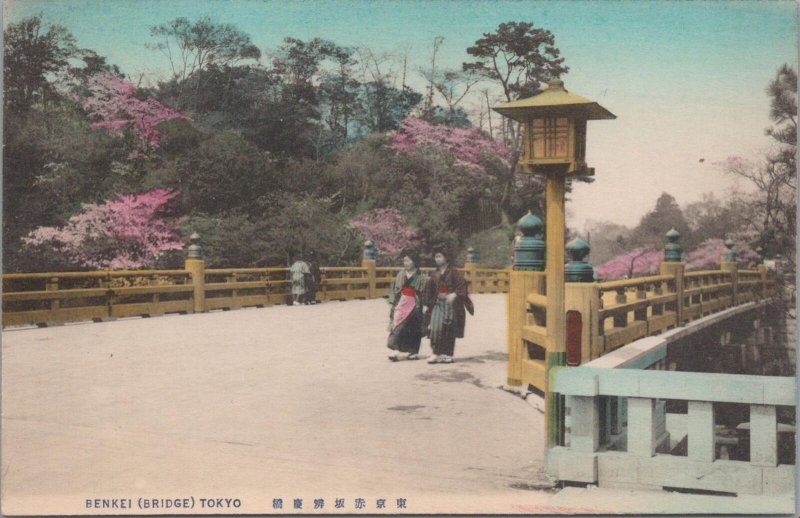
278,402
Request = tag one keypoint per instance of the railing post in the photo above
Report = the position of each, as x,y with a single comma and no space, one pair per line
673,267
700,431
763,435
728,264
368,260
196,266
584,432
641,426
582,294
52,285
528,258
762,269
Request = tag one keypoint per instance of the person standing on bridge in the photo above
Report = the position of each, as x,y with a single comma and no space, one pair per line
446,296
406,314
298,272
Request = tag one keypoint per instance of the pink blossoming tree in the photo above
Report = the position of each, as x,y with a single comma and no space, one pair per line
387,229
126,232
112,106
710,252
646,260
640,261
468,145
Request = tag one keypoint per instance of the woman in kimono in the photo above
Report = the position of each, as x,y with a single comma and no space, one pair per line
446,296
297,272
406,314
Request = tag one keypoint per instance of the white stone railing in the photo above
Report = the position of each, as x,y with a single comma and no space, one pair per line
587,458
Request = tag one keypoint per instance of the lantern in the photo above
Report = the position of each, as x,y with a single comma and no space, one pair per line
553,126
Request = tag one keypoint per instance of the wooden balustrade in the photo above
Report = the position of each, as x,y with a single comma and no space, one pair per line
617,312
633,308
52,298
528,339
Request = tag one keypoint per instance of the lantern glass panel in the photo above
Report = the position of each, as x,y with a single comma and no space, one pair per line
551,137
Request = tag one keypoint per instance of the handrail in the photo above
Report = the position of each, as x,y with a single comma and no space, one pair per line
636,281
645,458
92,274
52,297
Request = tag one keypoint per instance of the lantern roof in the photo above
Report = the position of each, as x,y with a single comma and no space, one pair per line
554,101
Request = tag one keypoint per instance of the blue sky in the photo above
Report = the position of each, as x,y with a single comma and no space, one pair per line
686,79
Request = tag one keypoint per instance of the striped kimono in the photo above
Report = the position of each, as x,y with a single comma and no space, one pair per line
446,321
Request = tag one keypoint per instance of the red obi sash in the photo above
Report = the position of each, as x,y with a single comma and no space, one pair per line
409,291
442,288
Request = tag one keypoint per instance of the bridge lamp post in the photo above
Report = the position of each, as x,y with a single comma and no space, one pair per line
553,124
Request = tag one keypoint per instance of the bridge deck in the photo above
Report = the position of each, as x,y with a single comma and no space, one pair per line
281,402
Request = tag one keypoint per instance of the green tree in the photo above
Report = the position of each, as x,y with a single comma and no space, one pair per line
518,57
34,55
192,47
607,240
715,218
385,106
222,172
654,225
774,207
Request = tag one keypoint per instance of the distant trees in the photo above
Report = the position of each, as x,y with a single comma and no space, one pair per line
704,226
194,47
308,151
34,54
774,207
666,215
639,261
518,57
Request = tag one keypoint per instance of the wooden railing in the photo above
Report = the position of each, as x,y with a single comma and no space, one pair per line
527,329
52,298
617,312
42,298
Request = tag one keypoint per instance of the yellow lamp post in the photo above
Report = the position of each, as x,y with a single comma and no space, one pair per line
553,124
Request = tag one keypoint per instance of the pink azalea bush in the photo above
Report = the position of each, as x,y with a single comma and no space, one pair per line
468,145
112,106
640,261
387,229
126,232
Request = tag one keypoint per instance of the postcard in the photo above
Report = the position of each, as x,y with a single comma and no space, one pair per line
361,257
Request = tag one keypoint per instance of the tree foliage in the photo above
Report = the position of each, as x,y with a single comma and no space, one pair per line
126,232
192,47
112,105
468,145
35,55
774,206
654,225
304,153
518,56
711,252
639,261
388,230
